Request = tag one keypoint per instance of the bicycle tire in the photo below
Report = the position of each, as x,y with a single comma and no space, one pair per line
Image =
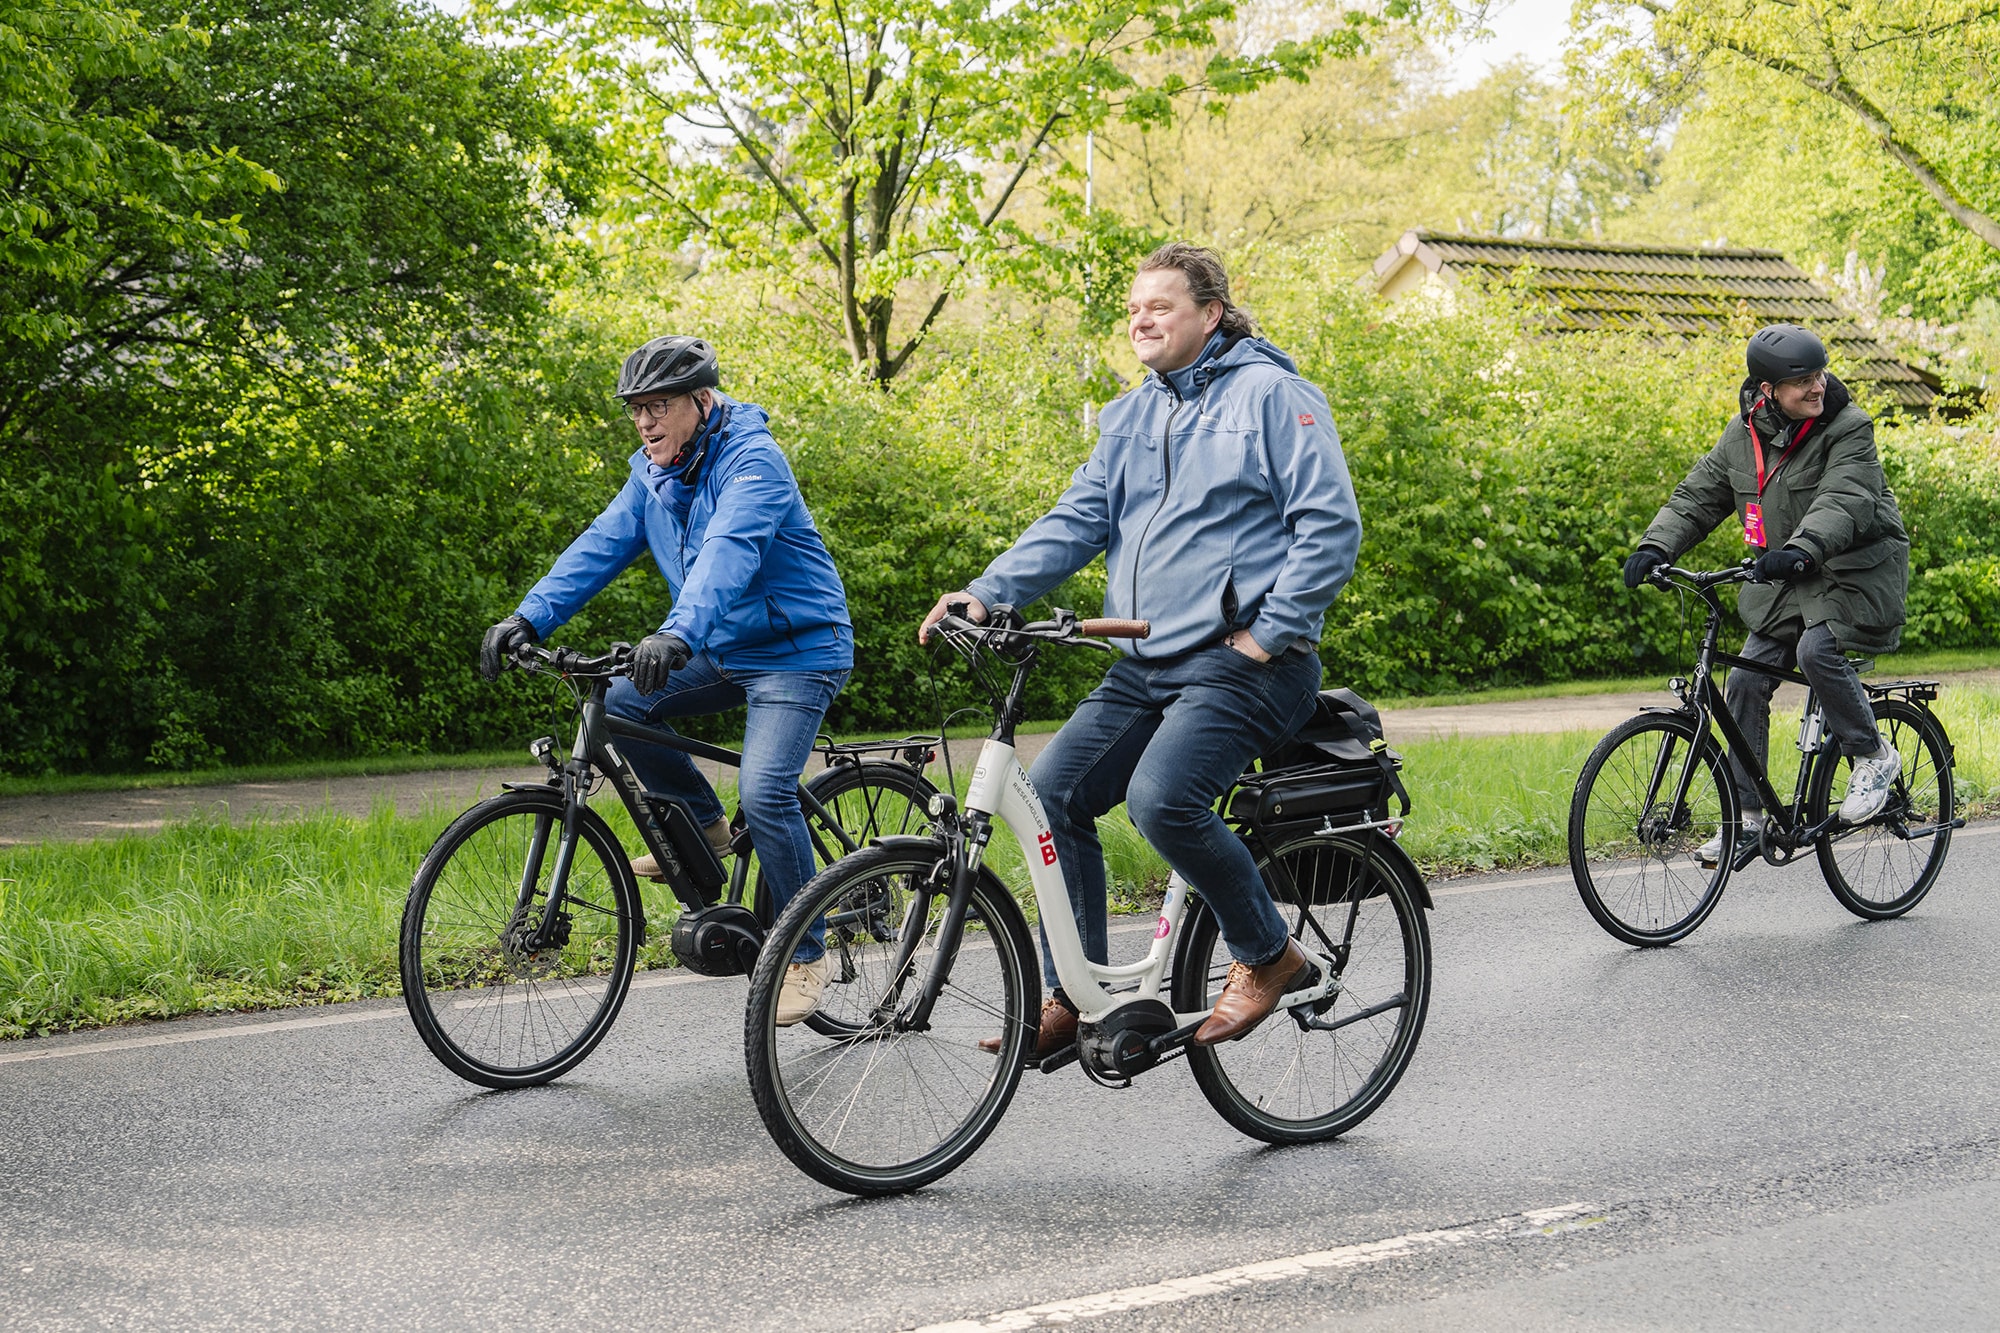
1634,864
492,1013
876,1110
1873,871
1287,1082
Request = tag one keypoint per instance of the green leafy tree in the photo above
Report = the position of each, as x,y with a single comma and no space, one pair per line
1918,76
877,149
77,164
216,473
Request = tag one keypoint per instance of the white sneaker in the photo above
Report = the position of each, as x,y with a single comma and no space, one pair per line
1710,852
1868,785
799,996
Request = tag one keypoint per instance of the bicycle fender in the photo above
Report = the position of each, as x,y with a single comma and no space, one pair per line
1402,865
549,797
1017,920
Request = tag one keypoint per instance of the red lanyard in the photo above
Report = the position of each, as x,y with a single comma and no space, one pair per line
1798,438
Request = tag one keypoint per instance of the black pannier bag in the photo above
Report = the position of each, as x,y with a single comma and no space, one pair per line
1336,769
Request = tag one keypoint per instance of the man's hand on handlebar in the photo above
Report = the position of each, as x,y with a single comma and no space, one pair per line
501,643
1642,563
657,657
961,603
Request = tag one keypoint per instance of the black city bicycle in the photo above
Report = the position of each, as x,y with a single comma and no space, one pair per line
934,989
1658,787
524,921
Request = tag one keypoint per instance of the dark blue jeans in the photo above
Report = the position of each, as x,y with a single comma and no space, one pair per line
1168,737
785,711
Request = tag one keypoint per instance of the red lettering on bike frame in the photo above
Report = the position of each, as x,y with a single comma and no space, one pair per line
1048,842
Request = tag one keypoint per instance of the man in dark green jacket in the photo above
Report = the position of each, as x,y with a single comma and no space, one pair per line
1798,465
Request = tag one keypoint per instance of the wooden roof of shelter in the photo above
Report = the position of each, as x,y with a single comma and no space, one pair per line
1690,291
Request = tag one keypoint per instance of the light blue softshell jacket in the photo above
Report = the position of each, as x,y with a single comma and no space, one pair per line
1221,505
751,578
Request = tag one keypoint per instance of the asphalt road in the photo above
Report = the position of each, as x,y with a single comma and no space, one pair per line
1791,1121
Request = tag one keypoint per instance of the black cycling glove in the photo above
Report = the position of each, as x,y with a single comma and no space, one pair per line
657,657
497,648
1643,562
1782,565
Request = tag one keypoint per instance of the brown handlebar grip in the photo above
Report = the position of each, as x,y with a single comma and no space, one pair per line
1115,629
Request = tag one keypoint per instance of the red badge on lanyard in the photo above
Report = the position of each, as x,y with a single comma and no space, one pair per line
1753,512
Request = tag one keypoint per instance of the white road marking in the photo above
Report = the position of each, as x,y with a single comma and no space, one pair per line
645,981
1568,1217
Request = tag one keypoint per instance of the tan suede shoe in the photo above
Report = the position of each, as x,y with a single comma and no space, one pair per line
804,983
1056,1030
1249,994
648,867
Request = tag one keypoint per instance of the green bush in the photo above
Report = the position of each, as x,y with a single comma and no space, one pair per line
307,573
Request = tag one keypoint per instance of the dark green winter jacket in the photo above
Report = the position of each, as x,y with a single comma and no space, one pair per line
1830,500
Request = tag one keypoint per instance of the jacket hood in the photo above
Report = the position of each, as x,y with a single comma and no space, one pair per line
1837,397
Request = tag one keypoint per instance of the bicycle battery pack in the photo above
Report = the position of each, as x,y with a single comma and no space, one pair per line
690,847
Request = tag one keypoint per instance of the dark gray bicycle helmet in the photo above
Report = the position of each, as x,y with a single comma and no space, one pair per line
1783,352
674,364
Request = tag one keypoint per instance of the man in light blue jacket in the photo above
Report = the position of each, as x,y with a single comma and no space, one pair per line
1220,500
759,615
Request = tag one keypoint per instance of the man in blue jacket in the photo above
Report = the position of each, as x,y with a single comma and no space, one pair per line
759,615
1220,500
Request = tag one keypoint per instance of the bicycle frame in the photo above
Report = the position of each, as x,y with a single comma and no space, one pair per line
591,752
1000,789
1706,702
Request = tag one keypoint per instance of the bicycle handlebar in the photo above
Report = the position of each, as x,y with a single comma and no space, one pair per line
571,662
1064,629
1106,628
1663,576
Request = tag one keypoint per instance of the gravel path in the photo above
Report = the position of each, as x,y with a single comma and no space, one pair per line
84,815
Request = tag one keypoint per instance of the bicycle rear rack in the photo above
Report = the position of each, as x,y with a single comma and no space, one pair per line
914,751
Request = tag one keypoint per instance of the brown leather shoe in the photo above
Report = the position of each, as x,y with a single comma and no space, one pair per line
1251,993
1056,1030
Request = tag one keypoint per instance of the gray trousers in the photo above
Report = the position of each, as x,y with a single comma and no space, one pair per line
1849,719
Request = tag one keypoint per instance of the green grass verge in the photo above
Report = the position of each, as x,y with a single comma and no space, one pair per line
206,916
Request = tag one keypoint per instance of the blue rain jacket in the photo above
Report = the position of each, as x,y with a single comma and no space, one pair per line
752,582
1220,499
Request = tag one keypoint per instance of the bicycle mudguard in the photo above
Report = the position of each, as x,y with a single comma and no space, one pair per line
910,842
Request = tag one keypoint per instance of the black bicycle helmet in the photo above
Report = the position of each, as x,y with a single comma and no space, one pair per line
672,364
1783,352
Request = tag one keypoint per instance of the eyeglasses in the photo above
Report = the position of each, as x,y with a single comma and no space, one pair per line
655,410
1813,381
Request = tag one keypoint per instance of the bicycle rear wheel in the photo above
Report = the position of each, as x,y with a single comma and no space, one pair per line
1632,847
878,1107
1301,1077
494,1009
1885,867
865,801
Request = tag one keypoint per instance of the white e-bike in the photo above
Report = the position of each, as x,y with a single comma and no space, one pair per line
889,1086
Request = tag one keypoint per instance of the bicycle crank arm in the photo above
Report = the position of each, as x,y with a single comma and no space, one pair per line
1396,1001
1908,834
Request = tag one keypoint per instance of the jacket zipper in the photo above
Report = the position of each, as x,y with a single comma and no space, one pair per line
1166,485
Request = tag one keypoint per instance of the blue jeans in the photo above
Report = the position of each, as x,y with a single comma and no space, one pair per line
785,711
1168,737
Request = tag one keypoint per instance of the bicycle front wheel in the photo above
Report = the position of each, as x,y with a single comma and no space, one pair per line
498,997
1633,847
878,1105
1309,1075
1885,867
